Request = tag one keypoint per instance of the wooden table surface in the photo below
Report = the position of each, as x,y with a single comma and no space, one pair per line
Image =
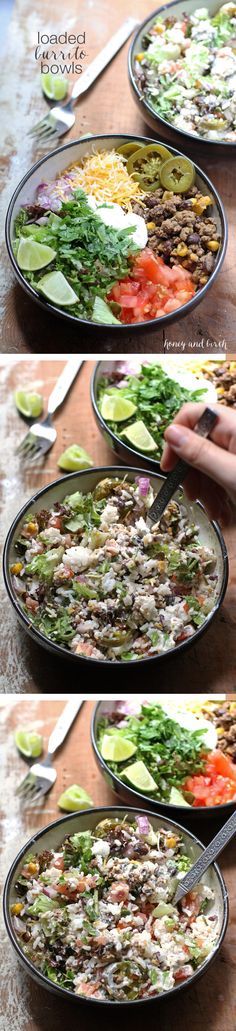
209,1005
210,665
108,107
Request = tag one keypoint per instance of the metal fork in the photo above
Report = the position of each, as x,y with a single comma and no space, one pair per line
41,776
42,435
61,118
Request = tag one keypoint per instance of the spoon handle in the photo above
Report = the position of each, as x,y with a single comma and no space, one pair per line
207,857
175,478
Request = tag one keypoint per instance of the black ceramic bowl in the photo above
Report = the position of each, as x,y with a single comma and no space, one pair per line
54,164
121,448
155,121
86,481
51,838
132,797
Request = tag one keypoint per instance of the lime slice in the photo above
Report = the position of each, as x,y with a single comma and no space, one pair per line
55,287
75,458
139,776
164,909
74,798
116,407
102,313
55,87
139,436
176,798
32,255
29,403
116,749
29,742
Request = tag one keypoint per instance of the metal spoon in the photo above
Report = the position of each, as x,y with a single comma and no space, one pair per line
175,478
207,857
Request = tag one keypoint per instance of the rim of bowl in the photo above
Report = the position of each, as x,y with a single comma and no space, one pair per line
110,1002
128,327
131,58
58,649
200,810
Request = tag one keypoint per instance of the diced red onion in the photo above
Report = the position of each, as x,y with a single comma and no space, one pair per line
143,485
18,925
50,892
18,585
131,708
143,824
131,368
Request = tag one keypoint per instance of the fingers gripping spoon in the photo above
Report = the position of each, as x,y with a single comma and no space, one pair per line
175,478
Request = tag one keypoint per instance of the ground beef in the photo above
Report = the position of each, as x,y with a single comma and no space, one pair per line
180,234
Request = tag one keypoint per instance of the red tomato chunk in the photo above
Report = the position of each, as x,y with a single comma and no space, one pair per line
152,290
216,785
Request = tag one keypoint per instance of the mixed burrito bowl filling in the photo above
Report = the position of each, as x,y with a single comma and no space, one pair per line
96,916
123,236
94,577
186,71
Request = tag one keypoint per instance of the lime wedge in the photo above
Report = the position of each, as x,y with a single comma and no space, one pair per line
102,313
139,776
55,287
139,436
74,798
75,458
116,407
176,798
116,749
32,255
29,403
29,742
55,87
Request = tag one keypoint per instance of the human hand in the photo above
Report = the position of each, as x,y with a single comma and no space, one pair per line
212,477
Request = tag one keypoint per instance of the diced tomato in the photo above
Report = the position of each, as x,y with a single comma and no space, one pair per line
217,784
171,305
152,290
55,521
183,973
221,764
31,603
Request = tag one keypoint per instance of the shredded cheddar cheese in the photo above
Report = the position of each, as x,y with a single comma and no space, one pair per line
104,175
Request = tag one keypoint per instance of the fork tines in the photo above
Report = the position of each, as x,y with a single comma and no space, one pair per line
29,791
43,129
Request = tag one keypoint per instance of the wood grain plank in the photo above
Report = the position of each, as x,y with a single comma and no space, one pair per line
28,668
108,106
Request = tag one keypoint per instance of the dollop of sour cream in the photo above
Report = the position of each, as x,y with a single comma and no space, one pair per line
113,215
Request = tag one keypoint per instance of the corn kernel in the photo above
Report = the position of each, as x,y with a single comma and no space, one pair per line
213,245
203,280
16,568
32,527
32,867
200,204
151,225
16,909
139,57
193,257
161,566
181,250
171,842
